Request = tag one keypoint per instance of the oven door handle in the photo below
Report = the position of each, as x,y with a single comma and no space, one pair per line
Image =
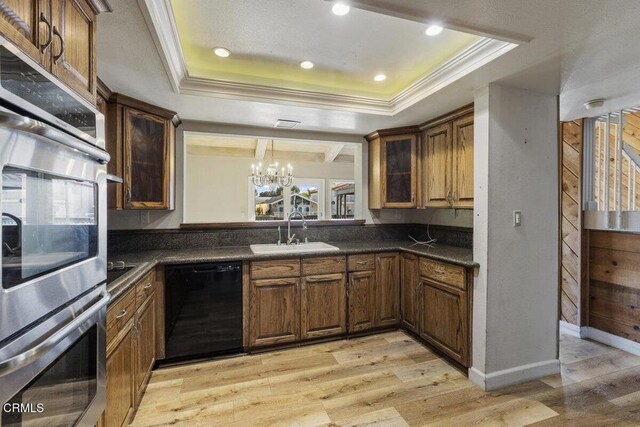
50,342
35,127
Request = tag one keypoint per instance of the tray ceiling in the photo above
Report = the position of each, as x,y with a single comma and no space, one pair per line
268,40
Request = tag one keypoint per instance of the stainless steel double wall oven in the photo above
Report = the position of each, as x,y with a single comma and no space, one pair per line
53,295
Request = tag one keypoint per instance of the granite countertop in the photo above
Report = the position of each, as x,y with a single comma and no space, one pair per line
144,261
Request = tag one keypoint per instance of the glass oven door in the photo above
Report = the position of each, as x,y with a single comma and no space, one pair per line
60,379
48,222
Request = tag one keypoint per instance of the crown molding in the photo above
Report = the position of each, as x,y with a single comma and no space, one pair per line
261,93
158,15
161,22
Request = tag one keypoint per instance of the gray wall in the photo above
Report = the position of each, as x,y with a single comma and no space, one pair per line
515,306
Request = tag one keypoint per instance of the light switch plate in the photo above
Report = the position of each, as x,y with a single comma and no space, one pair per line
517,218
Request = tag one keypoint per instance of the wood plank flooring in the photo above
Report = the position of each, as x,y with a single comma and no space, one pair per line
389,380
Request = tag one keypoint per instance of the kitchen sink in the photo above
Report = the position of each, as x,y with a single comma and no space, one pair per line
273,249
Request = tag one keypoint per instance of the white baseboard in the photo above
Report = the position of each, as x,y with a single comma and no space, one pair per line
511,376
573,330
614,341
600,336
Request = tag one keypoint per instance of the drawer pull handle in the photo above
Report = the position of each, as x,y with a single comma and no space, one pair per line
362,262
439,270
121,314
148,285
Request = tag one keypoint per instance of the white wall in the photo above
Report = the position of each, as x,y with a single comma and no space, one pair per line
515,322
218,187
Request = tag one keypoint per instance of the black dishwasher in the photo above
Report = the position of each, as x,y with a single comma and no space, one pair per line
203,316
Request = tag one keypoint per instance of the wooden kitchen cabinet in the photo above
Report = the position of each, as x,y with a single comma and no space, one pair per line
445,308
409,289
60,35
27,24
387,289
141,142
323,305
120,384
462,169
447,161
131,348
361,295
444,321
274,311
436,158
145,345
393,168
73,46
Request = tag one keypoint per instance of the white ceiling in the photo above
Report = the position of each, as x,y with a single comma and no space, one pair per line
581,49
268,39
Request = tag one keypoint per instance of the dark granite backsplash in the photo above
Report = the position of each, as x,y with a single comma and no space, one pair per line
120,241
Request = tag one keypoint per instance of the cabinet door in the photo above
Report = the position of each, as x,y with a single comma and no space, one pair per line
73,50
146,160
120,391
444,319
323,305
27,24
145,344
362,292
409,282
387,289
274,312
436,161
399,163
463,162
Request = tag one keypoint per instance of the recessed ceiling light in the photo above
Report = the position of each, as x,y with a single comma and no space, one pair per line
221,52
380,77
340,9
433,30
307,65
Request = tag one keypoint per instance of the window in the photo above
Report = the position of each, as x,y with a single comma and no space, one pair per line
305,195
612,171
343,199
268,202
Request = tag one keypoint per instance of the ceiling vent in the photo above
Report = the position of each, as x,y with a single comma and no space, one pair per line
286,124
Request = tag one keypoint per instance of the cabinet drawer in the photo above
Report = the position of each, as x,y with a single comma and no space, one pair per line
365,262
275,268
443,273
119,313
324,265
144,288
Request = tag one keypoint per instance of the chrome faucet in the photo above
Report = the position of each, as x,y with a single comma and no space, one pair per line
290,236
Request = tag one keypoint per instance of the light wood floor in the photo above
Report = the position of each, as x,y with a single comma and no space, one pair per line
391,380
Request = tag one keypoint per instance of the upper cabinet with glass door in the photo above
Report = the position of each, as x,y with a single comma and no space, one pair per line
60,35
393,168
141,142
612,171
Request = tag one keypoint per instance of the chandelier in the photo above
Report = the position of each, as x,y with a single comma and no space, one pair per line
272,177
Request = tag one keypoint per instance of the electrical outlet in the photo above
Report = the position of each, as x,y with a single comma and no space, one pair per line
517,218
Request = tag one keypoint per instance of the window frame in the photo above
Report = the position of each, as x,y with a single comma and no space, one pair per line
613,218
